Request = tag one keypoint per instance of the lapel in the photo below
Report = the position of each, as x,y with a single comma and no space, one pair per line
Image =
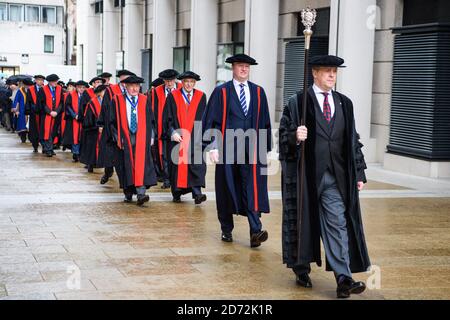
337,110
253,107
320,119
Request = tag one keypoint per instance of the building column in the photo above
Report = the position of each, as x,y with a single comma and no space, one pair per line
111,34
164,20
352,37
88,39
261,43
133,35
204,42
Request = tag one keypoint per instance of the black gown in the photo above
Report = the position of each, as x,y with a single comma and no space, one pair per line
91,136
301,247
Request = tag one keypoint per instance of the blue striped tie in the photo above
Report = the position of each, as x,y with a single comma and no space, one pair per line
243,100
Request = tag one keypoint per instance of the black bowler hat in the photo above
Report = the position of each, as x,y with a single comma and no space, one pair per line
326,61
96,79
157,82
168,74
189,75
71,83
39,76
82,83
125,73
100,88
133,79
28,82
10,82
105,75
61,83
242,58
52,77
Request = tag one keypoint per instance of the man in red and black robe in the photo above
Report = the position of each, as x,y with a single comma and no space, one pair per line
87,96
73,126
91,136
32,109
182,131
132,129
71,86
161,92
51,103
107,155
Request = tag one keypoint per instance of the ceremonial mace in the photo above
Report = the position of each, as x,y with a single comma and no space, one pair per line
308,20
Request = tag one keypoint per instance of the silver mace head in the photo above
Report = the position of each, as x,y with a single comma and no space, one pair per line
308,20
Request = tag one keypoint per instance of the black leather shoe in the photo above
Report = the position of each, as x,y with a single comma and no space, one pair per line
348,286
104,179
176,199
257,238
227,237
53,153
200,198
304,280
35,150
128,199
90,169
142,199
166,185
49,155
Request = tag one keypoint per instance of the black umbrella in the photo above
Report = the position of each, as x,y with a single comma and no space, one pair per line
19,77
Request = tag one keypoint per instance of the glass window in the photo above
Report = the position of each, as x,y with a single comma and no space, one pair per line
238,31
59,15
3,12
49,42
16,12
49,15
223,69
181,59
32,14
99,62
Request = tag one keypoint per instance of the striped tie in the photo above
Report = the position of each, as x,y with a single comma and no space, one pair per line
243,100
326,107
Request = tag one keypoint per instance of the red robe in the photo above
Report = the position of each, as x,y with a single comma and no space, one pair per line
185,173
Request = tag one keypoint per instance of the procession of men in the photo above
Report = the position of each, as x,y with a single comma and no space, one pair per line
162,135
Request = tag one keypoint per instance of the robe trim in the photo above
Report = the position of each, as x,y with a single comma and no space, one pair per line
49,120
186,116
75,123
33,94
137,158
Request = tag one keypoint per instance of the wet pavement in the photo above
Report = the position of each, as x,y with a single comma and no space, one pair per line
65,236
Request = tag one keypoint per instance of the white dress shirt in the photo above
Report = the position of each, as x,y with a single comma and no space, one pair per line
321,98
129,108
165,90
237,86
122,88
186,95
